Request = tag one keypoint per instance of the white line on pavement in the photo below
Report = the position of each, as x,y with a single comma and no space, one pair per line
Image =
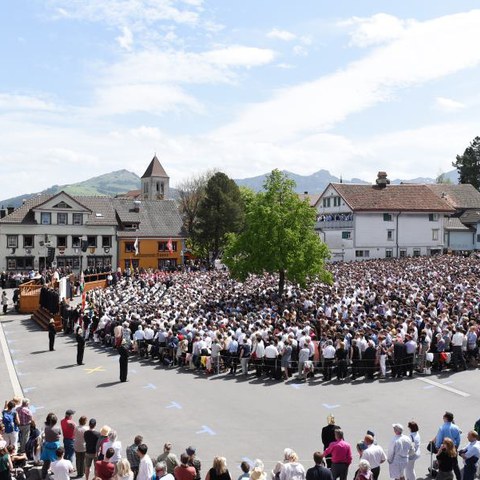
17,389
444,387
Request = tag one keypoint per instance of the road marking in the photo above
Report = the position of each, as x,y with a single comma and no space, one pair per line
28,389
444,387
22,374
17,389
206,429
296,386
35,409
428,387
447,383
17,362
151,386
330,407
94,370
174,405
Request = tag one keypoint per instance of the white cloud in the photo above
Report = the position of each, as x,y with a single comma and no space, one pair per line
378,29
300,51
284,35
448,104
126,39
153,81
442,46
130,12
13,102
239,56
155,99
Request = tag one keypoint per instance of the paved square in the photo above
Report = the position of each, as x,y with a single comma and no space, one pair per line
231,416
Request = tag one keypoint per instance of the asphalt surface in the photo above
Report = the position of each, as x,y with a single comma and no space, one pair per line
239,418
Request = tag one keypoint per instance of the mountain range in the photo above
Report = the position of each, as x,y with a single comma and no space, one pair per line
121,181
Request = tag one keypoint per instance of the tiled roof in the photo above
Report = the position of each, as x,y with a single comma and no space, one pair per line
470,216
458,196
155,169
157,218
130,194
311,197
454,223
400,198
23,214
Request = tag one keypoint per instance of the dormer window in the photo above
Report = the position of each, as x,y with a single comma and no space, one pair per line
130,226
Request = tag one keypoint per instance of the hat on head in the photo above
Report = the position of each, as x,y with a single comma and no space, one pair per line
69,412
257,474
397,426
105,430
191,450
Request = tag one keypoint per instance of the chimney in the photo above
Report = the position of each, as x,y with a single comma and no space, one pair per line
382,180
10,209
3,213
305,193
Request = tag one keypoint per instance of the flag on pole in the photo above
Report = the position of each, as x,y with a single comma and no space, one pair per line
170,245
135,246
82,282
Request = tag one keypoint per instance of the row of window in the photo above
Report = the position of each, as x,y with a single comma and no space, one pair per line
163,263
388,253
62,218
61,241
331,202
391,235
162,247
26,263
432,217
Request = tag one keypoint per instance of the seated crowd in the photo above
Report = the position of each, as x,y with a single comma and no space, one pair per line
378,317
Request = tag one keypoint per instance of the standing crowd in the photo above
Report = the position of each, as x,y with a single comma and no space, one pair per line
47,450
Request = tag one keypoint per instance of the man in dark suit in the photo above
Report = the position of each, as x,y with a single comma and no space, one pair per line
318,472
328,436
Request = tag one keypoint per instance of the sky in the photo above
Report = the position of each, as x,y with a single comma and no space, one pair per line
245,86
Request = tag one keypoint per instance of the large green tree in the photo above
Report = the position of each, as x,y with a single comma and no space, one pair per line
221,212
278,237
468,164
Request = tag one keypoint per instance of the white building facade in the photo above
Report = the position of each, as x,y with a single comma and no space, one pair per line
359,222
59,222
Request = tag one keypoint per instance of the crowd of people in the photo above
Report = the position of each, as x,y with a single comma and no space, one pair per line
49,449
378,319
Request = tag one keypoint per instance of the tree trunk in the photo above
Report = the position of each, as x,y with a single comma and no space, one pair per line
281,282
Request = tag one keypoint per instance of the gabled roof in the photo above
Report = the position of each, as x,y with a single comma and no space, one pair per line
62,194
155,218
155,169
311,197
454,223
470,216
458,196
400,198
100,210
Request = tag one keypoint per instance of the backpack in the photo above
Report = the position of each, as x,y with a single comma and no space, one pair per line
8,421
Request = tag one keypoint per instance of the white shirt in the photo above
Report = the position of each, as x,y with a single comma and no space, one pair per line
61,469
399,449
329,352
271,351
145,469
375,455
457,339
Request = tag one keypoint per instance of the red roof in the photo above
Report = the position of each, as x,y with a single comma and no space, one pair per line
400,198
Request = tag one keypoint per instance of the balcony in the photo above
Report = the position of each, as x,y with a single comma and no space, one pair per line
333,224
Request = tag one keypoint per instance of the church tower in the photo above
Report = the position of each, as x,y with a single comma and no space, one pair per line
155,182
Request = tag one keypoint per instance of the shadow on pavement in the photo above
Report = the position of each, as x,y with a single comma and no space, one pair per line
38,352
62,367
108,384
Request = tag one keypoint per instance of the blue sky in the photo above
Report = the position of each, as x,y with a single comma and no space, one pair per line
354,87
